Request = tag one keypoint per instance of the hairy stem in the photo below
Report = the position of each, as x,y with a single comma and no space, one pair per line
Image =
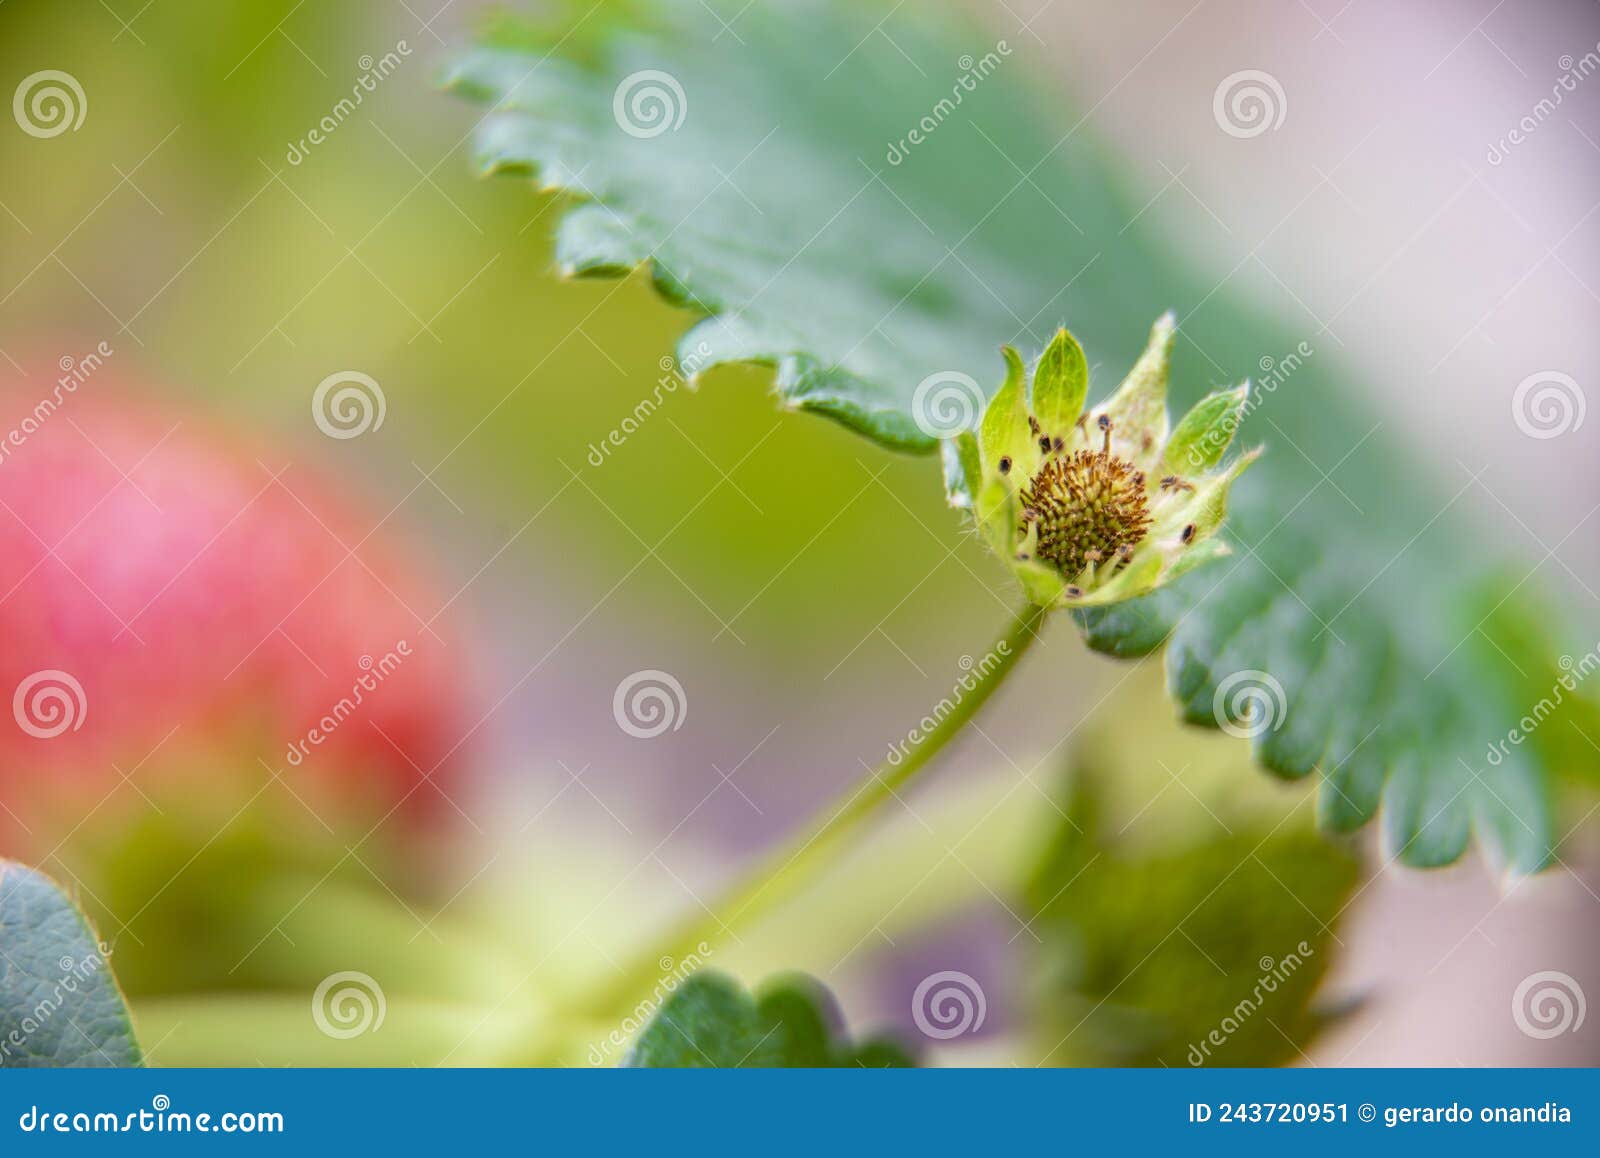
778,875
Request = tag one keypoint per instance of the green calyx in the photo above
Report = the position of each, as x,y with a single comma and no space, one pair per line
1091,507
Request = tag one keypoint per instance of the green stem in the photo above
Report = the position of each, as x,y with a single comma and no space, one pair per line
777,876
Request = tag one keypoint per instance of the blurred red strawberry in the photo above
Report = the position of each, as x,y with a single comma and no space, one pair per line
167,587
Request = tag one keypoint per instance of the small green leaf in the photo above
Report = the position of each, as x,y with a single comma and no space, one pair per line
793,1023
1204,552
963,468
1210,504
995,515
59,1005
1004,432
1140,403
1143,573
1042,585
1203,435
1060,384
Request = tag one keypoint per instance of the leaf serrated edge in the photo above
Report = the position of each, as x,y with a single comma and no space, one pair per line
801,383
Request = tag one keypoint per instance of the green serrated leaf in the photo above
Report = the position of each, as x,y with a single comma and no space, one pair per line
59,1004
791,202
592,241
713,1021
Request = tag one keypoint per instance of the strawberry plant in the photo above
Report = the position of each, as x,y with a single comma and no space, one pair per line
885,213
747,176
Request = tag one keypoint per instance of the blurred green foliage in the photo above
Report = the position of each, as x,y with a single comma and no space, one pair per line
1147,957
1182,924
244,280
1553,681
231,281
